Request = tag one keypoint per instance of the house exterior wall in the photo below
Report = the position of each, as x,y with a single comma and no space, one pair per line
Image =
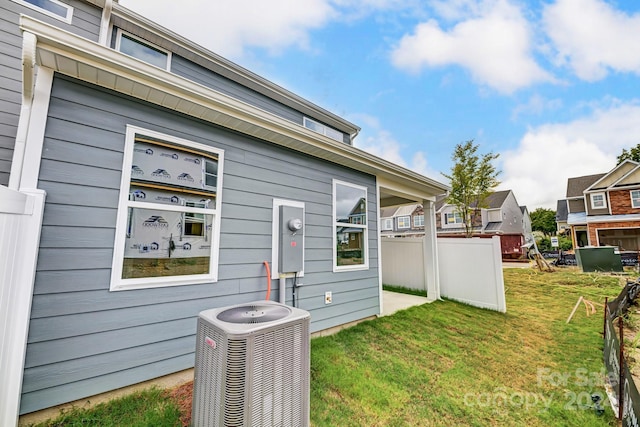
84,339
576,205
592,229
599,211
621,202
85,22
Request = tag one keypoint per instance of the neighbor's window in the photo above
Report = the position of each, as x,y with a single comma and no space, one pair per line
52,8
418,221
453,218
324,130
168,222
598,201
635,198
404,222
350,226
387,224
142,49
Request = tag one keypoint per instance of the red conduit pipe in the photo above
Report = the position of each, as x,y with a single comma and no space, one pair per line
266,265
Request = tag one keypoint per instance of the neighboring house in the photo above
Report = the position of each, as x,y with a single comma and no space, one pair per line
604,209
501,215
562,214
402,220
162,169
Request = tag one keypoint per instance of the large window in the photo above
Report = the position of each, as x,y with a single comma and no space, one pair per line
52,8
350,226
168,223
418,221
598,201
635,198
143,50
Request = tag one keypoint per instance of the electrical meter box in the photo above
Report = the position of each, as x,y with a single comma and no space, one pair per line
291,239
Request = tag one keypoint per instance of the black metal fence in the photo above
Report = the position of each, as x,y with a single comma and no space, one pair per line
621,388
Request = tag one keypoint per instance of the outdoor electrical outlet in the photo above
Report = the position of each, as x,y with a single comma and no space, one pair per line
327,297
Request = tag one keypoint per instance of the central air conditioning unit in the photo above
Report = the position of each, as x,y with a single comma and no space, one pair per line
252,366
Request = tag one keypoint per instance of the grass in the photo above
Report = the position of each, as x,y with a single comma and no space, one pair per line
404,290
446,363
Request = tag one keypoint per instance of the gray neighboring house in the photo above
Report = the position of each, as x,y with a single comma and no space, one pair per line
576,207
501,216
562,214
402,221
160,169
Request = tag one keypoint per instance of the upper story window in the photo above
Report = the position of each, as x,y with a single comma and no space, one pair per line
52,8
350,226
168,221
143,50
322,129
453,218
635,198
418,221
387,224
404,222
598,201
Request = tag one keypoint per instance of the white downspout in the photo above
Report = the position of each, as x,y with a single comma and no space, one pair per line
105,22
29,42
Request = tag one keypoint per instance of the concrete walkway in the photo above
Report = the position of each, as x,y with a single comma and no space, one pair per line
394,301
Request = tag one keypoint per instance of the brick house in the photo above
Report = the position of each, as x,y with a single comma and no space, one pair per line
604,209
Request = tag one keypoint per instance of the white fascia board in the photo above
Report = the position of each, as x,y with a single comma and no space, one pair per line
54,44
612,218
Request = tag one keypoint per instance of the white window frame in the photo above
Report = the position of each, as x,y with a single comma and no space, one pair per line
455,216
417,223
406,222
322,129
69,9
592,197
635,201
387,224
122,221
364,227
142,41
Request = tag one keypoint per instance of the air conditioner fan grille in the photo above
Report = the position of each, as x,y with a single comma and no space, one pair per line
248,314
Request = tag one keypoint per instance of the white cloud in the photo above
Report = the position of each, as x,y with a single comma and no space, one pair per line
536,105
227,27
380,142
593,37
494,45
537,171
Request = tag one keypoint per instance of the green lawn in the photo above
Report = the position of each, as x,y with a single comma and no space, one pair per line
446,363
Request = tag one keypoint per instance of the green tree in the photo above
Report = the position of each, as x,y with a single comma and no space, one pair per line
630,154
544,220
472,179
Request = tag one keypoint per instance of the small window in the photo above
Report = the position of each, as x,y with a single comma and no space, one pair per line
143,50
52,8
322,129
350,226
453,218
387,224
404,222
635,198
598,201
168,224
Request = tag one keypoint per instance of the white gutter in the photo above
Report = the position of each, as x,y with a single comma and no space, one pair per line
29,42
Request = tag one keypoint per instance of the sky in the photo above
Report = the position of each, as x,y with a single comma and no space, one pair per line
551,86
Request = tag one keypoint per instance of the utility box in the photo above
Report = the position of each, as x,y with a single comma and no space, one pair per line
598,258
291,241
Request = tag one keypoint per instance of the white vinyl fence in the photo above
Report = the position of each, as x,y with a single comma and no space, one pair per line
470,269
20,223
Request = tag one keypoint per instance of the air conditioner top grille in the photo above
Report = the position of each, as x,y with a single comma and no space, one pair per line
248,314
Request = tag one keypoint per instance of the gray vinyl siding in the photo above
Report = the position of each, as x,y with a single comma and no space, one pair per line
84,339
85,22
210,79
